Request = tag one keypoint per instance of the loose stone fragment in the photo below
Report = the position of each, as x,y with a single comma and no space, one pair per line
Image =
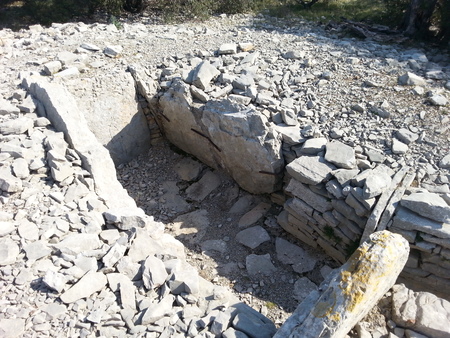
55,280
375,184
154,273
253,237
294,255
259,265
90,283
252,323
203,75
7,108
201,189
340,154
228,48
445,162
438,100
254,215
11,328
411,79
9,251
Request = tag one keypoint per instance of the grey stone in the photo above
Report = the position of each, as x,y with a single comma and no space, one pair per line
411,79
399,147
9,251
408,220
302,288
294,54
214,245
198,191
126,218
154,273
379,262
28,230
259,265
90,283
310,170
199,94
204,74
290,135
12,328
344,176
228,48
55,280
302,191
445,162
114,254
90,47
52,67
188,169
156,311
254,215
220,323
253,237
423,312
28,106
123,284
16,126
62,110
340,154
428,205
9,183
184,279
438,100
36,250
406,136
7,108
313,146
191,226
241,205
76,243
20,168
252,323
294,255
376,184
232,333
113,51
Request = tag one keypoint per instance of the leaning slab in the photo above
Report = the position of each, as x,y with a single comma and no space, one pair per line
62,110
350,292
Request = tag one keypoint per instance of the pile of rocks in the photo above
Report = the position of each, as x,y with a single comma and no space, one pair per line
73,258
342,184
95,268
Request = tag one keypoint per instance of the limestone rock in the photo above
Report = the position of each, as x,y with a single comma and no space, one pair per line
154,273
203,75
7,108
438,100
294,255
411,79
421,311
16,126
259,265
198,191
342,155
126,218
90,283
9,251
302,288
350,292
253,215
428,205
376,184
253,237
310,170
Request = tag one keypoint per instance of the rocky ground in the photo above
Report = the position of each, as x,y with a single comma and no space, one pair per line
346,89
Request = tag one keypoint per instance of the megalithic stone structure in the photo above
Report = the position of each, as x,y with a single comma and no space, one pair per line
350,292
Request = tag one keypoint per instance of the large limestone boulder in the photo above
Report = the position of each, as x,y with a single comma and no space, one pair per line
224,135
350,292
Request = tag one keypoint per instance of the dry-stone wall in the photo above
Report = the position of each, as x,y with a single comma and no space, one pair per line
243,112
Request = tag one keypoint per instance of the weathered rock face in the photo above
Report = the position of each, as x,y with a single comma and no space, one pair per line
114,107
349,293
224,135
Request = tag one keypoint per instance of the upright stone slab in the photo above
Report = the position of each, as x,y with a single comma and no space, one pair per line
350,292
224,135
62,110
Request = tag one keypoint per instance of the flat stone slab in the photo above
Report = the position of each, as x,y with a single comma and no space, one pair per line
340,154
253,237
294,255
191,226
201,189
310,170
188,169
9,250
90,283
254,215
407,220
428,205
259,265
